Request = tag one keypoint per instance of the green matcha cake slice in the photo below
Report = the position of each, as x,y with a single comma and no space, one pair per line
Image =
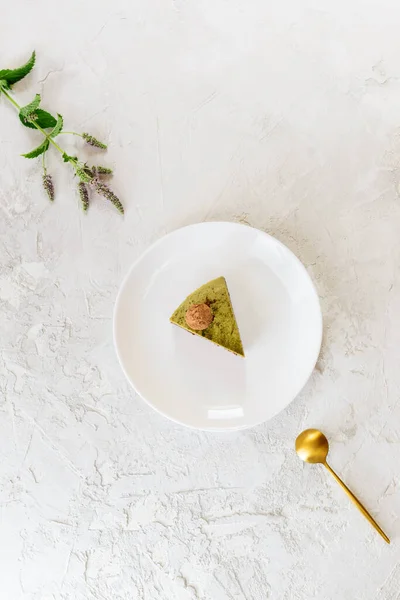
208,312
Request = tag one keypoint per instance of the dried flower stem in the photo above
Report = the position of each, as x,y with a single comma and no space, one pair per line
89,139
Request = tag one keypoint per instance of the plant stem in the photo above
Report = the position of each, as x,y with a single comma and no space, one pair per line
70,133
11,99
43,163
17,106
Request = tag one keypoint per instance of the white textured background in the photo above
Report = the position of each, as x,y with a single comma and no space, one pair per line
287,115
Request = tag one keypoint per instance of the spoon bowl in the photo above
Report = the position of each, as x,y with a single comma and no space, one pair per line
312,446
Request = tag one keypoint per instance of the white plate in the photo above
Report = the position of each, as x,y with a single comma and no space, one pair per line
189,379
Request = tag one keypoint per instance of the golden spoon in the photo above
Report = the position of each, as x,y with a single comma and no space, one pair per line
312,447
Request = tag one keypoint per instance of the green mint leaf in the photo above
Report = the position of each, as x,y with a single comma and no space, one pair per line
4,85
14,75
59,125
37,151
30,108
43,119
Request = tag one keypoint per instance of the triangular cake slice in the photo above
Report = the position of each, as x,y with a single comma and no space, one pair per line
208,312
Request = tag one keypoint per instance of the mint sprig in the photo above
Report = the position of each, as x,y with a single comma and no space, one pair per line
36,118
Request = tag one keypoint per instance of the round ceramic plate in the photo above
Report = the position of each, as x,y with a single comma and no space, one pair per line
189,379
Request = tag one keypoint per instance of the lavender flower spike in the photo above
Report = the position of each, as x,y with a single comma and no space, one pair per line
92,141
103,170
48,186
84,195
105,191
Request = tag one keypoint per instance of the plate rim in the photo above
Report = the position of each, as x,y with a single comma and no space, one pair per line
150,249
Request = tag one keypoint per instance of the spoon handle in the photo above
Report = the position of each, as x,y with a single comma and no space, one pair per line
360,507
